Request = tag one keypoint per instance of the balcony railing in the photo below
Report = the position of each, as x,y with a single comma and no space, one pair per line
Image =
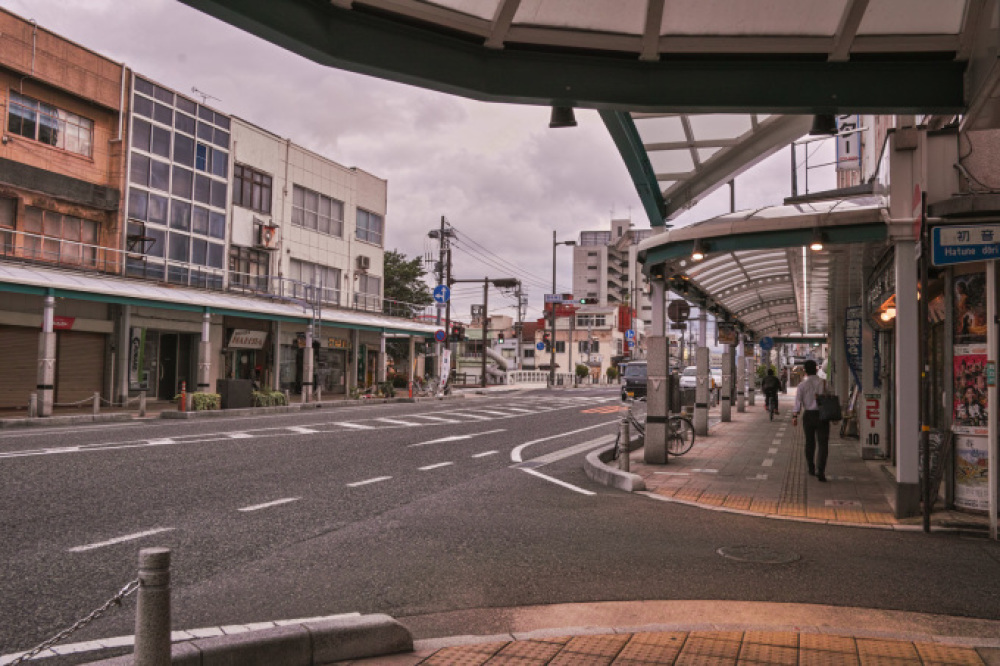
39,249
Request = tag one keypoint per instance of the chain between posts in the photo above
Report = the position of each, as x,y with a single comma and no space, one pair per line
116,600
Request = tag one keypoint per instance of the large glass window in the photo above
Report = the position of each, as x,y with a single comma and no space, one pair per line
248,268
369,227
63,239
305,276
369,292
50,125
251,189
318,212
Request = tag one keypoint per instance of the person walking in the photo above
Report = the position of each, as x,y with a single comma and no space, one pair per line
817,432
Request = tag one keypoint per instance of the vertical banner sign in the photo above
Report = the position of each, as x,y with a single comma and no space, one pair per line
136,360
852,341
848,146
969,416
445,366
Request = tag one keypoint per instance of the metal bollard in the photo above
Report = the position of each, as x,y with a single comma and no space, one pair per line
33,405
152,613
142,403
319,394
97,403
623,457
288,399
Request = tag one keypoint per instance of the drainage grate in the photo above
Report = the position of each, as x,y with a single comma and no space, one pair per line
758,555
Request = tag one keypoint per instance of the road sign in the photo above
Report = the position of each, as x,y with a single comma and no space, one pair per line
631,344
630,334
959,245
678,311
540,346
442,294
439,335
766,343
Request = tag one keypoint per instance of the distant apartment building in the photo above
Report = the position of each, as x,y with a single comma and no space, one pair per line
149,241
605,268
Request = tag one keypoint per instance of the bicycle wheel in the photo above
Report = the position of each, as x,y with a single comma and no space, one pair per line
680,435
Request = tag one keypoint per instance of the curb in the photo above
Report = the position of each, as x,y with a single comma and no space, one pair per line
64,420
596,467
295,645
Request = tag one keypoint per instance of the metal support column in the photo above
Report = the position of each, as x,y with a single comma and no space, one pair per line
907,394
658,383
382,358
992,347
307,366
741,376
47,358
205,353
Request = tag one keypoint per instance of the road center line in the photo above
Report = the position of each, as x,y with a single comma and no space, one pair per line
515,454
348,424
558,482
302,430
367,481
121,539
238,435
435,466
485,453
266,505
456,438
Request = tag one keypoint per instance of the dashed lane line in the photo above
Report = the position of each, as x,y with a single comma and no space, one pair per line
239,435
121,539
357,426
457,438
427,468
268,505
485,453
436,419
302,430
377,479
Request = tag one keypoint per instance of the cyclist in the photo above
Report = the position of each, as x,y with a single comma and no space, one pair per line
771,385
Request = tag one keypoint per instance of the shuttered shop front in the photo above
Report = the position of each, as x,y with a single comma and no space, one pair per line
80,366
20,367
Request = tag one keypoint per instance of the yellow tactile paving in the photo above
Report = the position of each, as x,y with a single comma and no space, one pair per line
821,513
764,506
643,649
605,644
870,648
714,499
530,651
779,638
562,640
824,658
880,517
754,653
855,515
461,656
738,501
828,643
786,509
947,654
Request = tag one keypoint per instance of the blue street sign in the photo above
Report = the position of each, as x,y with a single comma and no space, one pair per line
540,346
442,294
630,334
631,344
439,335
766,343
959,245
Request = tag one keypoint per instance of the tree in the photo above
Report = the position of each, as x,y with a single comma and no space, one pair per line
404,282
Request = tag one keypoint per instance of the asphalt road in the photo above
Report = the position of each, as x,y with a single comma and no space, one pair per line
409,509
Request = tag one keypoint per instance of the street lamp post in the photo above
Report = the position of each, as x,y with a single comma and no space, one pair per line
552,310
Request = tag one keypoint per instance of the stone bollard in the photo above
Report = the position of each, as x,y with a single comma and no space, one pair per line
624,438
152,613
288,398
97,403
319,394
142,403
33,405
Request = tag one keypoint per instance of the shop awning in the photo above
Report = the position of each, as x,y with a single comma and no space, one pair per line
757,270
42,280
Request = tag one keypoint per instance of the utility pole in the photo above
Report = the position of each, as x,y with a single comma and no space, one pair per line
486,331
520,327
442,234
501,283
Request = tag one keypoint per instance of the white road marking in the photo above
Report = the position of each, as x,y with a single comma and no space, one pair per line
348,424
457,438
768,462
160,442
435,466
238,435
267,505
302,430
776,441
410,424
582,447
121,539
485,453
495,413
759,477
773,450
436,419
706,471
520,409
515,455
367,481
476,417
558,482
673,473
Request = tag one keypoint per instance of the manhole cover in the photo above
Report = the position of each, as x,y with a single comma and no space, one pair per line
758,555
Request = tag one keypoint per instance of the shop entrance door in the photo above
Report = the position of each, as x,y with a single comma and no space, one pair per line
167,386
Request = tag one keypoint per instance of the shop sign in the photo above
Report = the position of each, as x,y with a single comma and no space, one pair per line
971,473
873,425
246,339
848,145
445,366
63,323
338,343
138,376
959,245
727,332
852,341
969,312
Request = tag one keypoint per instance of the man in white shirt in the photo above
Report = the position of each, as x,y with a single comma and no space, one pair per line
816,431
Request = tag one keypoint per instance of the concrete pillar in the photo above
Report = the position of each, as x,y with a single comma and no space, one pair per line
124,354
907,422
276,355
701,392
658,352
307,366
205,353
352,370
751,379
383,360
411,358
47,358
725,392
702,328
741,374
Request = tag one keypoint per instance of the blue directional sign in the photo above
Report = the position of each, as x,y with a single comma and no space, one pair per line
540,346
442,294
766,343
439,335
962,244
630,334
631,344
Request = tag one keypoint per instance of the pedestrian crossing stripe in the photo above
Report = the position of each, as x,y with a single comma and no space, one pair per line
608,409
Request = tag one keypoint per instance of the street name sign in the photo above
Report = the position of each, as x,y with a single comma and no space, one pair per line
963,244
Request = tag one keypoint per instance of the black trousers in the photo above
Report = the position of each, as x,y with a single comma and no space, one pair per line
817,433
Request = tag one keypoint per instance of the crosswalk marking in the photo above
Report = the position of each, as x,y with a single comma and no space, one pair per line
409,424
302,431
348,424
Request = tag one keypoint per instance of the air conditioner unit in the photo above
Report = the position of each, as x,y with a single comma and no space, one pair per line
363,263
267,236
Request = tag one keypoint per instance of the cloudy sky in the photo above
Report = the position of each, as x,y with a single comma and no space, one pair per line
498,174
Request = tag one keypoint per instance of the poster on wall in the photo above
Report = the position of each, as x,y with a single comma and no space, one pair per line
971,485
969,415
138,377
852,341
970,308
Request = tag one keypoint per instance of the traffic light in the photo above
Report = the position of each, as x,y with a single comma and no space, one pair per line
500,337
587,301
547,341
456,333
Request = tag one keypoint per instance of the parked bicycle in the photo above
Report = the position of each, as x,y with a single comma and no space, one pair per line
680,430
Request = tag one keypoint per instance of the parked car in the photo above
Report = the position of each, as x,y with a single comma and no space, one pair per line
634,380
689,377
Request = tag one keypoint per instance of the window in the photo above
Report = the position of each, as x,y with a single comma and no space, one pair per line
248,268
251,189
529,353
369,291
589,321
592,348
50,125
8,208
561,347
318,212
369,227
63,239
306,275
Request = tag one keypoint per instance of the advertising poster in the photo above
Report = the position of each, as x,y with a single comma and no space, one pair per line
445,366
852,341
137,375
970,308
969,415
971,486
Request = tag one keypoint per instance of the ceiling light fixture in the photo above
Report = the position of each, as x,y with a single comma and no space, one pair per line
562,116
698,251
816,244
823,125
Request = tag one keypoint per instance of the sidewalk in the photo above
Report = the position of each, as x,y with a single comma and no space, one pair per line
756,466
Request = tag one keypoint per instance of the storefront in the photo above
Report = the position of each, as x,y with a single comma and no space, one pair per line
246,353
160,361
